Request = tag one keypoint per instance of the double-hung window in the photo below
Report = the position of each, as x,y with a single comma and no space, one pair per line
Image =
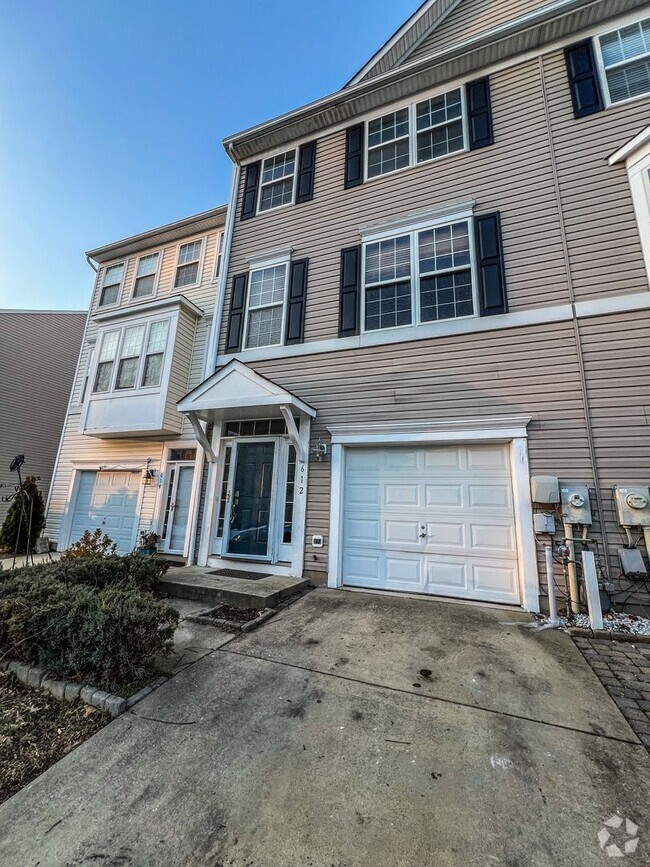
188,265
145,275
131,357
416,134
626,61
268,288
111,284
421,276
278,178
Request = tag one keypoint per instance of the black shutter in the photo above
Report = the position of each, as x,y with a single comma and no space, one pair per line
296,307
249,203
581,68
491,275
350,292
479,114
355,141
237,313
306,172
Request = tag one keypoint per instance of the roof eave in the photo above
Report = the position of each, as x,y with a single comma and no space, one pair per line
529,32
161,235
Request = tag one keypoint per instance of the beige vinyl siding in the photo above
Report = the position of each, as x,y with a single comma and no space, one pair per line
186,373
99,454
38,357
514,176
602,232
469,19
455,377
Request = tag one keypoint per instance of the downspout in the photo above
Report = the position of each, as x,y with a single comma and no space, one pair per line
211,354
576,327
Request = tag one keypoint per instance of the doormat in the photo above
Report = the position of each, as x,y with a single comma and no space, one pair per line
237,573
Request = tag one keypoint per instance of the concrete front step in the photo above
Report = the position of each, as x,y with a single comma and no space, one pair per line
196,584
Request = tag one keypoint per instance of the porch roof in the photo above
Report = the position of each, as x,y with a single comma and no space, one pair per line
237,391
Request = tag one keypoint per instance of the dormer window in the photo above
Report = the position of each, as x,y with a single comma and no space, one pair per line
111,285
188,265
145,275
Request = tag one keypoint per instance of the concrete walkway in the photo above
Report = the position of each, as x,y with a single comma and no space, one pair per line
351,730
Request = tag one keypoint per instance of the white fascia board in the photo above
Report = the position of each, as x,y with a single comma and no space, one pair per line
447,430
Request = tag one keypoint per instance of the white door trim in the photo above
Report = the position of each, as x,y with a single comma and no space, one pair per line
159,505
514,435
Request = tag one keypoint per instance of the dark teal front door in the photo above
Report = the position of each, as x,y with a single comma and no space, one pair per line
250,512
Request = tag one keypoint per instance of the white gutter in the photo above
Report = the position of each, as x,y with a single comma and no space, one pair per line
211,354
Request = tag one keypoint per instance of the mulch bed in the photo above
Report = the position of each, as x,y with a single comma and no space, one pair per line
234,615
36,730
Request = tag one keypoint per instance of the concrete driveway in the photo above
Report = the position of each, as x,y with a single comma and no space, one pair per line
321,740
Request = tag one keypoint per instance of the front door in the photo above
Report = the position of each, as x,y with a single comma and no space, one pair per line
248,532
178,497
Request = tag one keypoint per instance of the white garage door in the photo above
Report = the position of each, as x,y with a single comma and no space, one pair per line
431,520
107,500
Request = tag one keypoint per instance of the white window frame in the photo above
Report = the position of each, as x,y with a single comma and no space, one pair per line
413,134
600,63
414,231
105,268
138,388
156,278
260,186
199,273
260,265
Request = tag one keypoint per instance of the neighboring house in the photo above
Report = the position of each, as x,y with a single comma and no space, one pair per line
128,461
437,279
38,355
434,287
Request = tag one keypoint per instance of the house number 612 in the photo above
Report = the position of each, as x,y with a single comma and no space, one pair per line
301,479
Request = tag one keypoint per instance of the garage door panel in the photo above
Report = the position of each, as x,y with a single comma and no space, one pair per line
108,501
402,495
460,498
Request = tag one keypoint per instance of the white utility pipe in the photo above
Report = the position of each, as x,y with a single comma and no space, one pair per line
574,590
553,619
590,580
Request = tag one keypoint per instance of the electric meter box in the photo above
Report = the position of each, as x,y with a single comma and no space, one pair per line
545,489
576,507
632,505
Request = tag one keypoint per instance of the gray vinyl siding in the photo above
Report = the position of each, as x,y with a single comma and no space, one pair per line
515,176
186,372
470,18
38,357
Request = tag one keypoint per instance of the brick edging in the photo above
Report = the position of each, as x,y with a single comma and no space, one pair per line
582,632
70,690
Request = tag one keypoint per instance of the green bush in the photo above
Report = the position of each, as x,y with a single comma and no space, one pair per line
13,529
102,637
91,545
99,572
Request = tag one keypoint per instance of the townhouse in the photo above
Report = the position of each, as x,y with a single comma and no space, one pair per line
128,462
434,297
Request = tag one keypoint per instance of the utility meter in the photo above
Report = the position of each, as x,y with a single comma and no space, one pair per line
632,505
576,508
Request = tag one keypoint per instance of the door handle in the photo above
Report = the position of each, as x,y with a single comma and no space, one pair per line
423,533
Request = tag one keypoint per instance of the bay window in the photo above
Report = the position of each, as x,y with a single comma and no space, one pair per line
131,357
421,276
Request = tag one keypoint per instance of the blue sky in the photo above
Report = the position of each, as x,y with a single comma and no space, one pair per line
112,114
